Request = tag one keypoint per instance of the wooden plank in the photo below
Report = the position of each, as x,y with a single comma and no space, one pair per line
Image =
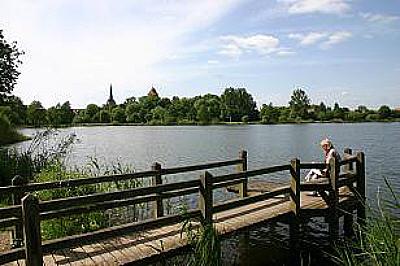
117,195
191,168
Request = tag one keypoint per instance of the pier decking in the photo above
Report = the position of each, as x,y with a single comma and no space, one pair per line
147,240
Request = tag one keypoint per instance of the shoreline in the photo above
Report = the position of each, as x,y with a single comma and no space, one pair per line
207,124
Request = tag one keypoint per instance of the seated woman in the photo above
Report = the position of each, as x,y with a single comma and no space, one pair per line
329,152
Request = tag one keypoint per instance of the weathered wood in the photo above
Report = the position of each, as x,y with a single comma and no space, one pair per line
32,187
347,154
235,203
333,199
295,207
242,167
250,173
9,222
295,186
190,168
117,195
312,166
33,239
12,255
17,233
348,224
206,197
231,183
348,160
115,231
10,211
361,187
158,208
96,207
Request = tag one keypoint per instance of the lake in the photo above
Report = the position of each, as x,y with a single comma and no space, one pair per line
267,145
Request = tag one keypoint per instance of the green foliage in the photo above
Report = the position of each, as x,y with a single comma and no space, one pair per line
8,134
269,114
204,242
118,115
299,104
36,114
44,149
378,240
9,63
236,103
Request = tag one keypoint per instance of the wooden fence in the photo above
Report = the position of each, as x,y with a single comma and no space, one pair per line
27,213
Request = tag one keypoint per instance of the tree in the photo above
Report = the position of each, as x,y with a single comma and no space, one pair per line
269,114
236,103
299,104
9,62
118,115
384,112
36,114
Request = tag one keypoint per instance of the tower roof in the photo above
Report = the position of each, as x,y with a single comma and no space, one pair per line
152,92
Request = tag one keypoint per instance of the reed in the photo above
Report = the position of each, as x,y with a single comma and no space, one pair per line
377,240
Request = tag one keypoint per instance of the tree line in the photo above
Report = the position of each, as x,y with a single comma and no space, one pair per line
233,105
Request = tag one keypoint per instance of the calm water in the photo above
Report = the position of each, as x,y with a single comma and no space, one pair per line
266,145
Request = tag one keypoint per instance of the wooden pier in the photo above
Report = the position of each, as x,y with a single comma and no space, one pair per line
145,241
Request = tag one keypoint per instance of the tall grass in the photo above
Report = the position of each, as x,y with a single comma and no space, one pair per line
204,242
377,240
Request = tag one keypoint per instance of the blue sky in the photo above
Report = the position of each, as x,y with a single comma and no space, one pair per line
337,50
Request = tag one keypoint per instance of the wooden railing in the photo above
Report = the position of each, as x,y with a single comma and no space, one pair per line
30,211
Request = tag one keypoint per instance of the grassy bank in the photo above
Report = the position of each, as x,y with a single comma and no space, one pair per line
8,134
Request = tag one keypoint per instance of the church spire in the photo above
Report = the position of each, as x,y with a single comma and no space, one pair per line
111,101
111,95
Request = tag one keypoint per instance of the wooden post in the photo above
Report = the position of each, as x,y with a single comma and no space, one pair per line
206,198
17,235
33,239
158,208
333,198
295,197
347,153
295,206
242,167
348,215
361,187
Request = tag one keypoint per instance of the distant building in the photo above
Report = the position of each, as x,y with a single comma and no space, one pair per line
111,102
152,92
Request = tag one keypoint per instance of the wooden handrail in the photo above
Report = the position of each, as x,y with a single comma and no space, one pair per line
116,195
31,211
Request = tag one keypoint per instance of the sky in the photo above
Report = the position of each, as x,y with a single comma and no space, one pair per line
345,51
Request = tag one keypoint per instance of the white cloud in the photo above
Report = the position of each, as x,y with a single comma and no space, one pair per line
213,62
316,6
261,44
76,48
335,38
308,39
325,39
379,18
